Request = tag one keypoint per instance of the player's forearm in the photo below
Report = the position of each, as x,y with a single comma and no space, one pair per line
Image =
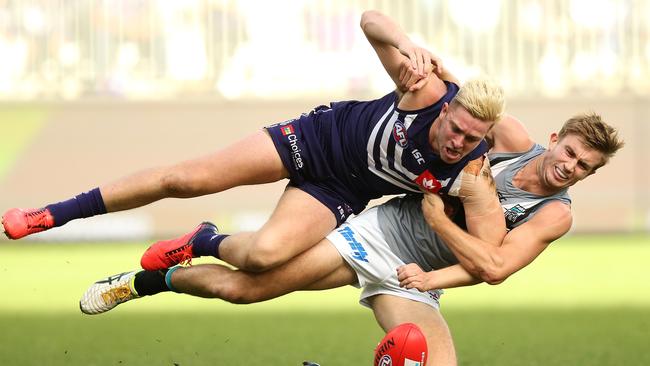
379,28
480,258
450,277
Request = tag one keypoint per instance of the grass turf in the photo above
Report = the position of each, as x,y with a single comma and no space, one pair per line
530,336
584,302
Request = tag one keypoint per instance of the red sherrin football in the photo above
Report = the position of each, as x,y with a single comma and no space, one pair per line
404,345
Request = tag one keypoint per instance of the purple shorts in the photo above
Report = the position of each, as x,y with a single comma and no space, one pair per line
301,144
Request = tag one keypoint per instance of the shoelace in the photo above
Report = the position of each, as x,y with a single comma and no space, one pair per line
181,255
37,219
183,258
117,295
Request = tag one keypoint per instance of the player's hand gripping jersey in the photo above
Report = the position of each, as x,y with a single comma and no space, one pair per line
351,152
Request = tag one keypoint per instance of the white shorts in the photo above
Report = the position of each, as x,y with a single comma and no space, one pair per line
361,243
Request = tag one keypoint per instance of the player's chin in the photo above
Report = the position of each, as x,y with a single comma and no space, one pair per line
450,156
560,183
451,161
565,184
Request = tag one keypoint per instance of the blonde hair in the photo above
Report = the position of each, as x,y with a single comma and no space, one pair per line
483,98
594,133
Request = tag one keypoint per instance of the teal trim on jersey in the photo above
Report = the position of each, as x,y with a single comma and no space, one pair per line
168,279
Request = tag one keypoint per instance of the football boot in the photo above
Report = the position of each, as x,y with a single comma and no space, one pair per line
168,253
19,223
107,293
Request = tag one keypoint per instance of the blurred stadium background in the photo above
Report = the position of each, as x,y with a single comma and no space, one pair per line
93,90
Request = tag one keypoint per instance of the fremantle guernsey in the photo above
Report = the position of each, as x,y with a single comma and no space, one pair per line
413,241
361,150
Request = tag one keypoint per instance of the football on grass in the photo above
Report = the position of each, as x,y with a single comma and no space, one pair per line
404,345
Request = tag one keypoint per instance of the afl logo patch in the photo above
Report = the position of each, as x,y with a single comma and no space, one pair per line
399,134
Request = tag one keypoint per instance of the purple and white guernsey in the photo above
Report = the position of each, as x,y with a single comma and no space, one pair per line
356,151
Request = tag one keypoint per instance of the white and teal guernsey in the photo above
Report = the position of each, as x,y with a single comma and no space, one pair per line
413,241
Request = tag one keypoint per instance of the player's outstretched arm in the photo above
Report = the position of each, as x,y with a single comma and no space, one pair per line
524,243
391,44
411,81
419,86
494,264
412,276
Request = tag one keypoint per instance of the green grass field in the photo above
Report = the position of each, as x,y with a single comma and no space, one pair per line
586,301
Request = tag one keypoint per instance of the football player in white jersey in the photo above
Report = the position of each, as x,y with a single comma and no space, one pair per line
396,290
361,253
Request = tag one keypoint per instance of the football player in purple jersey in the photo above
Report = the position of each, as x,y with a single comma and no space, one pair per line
404,251
336,159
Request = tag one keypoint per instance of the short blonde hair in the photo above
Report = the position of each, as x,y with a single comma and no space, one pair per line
483,98
594,133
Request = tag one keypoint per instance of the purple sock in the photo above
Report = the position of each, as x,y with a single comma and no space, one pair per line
84,205
207,243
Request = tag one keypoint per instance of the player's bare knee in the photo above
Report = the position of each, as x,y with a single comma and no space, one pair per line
263,259
266,252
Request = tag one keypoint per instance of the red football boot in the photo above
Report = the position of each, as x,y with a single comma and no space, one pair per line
168,253
18,223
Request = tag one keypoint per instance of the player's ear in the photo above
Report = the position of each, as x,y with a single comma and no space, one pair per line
553,140
445,109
